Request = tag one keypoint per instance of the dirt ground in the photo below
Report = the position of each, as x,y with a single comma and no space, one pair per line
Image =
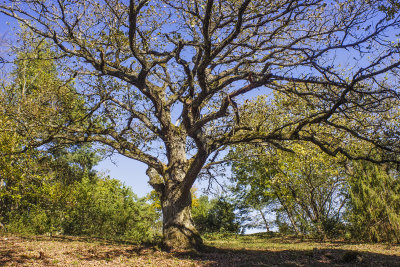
239,251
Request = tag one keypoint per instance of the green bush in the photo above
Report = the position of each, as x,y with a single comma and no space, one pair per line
105,208
215,216
98,207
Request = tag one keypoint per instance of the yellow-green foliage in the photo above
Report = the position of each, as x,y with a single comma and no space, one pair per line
374,207
56,191
304,184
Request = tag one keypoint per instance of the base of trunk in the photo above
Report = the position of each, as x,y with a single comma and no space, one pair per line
179,237
179,232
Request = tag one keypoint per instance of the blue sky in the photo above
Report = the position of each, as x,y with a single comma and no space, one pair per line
129,171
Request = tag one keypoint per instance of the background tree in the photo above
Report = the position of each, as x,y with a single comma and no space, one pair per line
305,184
216,216
252,190
31,82
161,80
16,175
374,206
56,190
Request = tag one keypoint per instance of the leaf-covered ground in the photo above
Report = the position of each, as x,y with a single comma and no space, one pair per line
234,251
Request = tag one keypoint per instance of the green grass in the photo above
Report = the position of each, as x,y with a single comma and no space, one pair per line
265,241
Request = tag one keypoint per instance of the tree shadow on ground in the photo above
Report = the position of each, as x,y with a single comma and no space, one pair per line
315,257
14,251
20,257
68,239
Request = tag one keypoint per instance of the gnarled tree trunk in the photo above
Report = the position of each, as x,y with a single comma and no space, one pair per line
179,231
173,186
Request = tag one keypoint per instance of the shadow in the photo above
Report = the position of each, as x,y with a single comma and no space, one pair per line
190,236
212,256
13,251
19,256
94,254
82,239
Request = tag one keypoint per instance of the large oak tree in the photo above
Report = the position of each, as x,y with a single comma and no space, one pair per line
163,81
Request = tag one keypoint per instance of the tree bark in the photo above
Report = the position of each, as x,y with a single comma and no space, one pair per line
179,231
264,219
289,214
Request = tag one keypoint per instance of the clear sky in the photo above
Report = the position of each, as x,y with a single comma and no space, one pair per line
129,171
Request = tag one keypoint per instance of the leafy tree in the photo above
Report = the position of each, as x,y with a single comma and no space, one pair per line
18,182
70,164
34,90
374,202
56,190
37,93
307,184
161,80
200,213
256,201
215,216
